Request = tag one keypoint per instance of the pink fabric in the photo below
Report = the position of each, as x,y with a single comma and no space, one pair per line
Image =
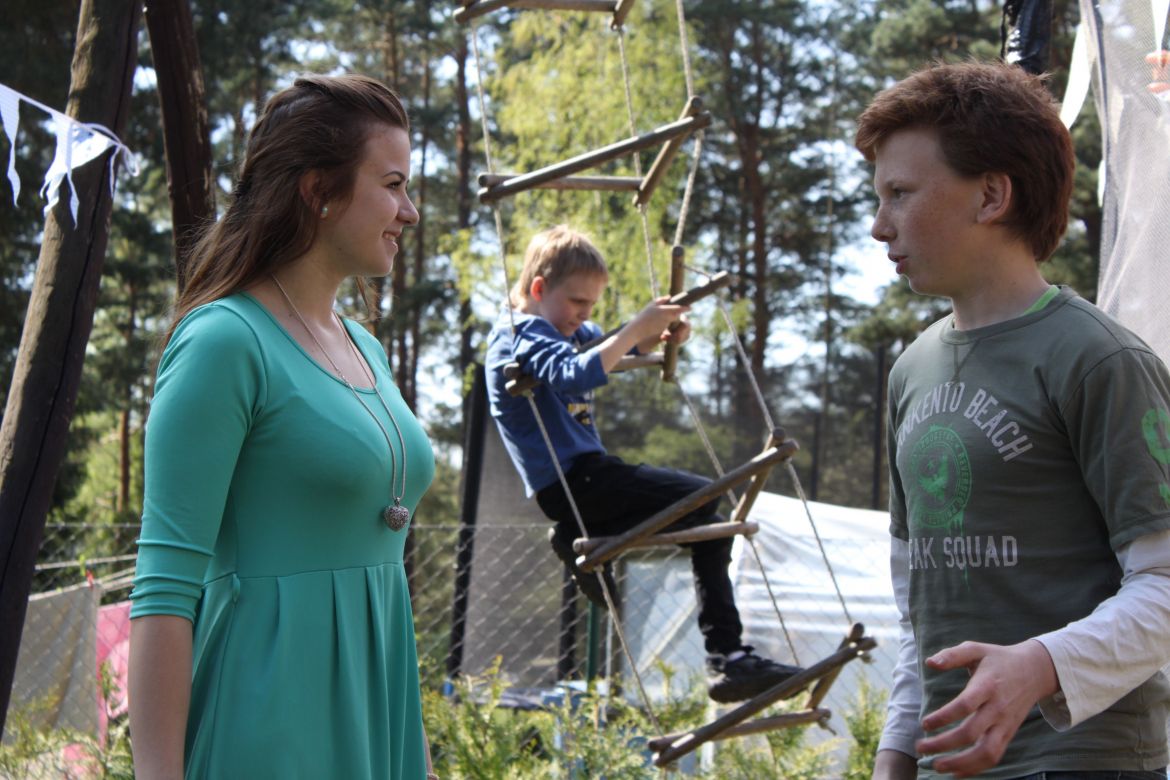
113,649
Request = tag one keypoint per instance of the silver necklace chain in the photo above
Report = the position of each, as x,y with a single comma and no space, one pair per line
396,516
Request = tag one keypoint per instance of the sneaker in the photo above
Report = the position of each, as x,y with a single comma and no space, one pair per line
586,581
745,677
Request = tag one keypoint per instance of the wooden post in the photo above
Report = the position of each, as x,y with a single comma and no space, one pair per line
592,159
665,156
619,544
186,133
59,319
670,352
821,689
748,499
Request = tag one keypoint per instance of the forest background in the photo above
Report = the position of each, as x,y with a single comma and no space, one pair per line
781,199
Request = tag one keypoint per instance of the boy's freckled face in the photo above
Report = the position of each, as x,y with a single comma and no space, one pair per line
568,304
925,213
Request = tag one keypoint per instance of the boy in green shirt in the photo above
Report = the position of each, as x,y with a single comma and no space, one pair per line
1028,433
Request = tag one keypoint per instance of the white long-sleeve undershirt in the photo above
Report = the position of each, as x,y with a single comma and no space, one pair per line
1098,659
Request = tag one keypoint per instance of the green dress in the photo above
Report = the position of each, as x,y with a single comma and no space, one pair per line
265,481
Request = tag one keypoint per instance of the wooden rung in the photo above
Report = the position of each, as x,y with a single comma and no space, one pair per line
748,499
619,544
631,362
821,689
700,533
670,352
476,9
665,156
603,183
692,740
592,159
757,726
520,383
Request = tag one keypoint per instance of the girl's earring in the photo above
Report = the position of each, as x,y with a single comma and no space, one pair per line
324,212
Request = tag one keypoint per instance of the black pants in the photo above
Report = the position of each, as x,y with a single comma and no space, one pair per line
614,496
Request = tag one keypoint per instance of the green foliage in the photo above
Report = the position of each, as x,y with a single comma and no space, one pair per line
781,753
472,737
865,721
31,752
559,93
590,735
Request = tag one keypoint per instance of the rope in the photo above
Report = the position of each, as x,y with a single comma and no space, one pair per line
637,162
689,189
609,600
816,533
702,431
764,411
685,47
772,598
791,469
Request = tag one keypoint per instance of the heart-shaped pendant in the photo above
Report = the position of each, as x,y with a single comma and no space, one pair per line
396,516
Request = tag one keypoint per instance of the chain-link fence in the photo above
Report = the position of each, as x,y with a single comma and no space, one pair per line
508,598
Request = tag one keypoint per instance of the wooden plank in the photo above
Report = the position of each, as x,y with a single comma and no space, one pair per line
631,362
595,183
694,739
474,10
592,159
670,352
700,533
619,544
748,499
665,156
757,726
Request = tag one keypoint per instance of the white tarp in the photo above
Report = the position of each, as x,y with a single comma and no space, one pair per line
856,543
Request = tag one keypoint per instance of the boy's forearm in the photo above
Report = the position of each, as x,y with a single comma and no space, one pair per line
648,344
614,348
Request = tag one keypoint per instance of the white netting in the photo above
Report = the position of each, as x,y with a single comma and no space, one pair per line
1135,118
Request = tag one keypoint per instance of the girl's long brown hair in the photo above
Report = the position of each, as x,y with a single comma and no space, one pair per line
321,124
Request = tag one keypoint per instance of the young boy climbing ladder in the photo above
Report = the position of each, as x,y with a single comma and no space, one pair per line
563,277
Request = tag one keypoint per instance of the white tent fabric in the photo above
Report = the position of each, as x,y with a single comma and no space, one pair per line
856,542
1135,124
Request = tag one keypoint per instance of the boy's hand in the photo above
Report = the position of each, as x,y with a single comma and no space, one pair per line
645,331
678,333
1006,681
654,320
674,327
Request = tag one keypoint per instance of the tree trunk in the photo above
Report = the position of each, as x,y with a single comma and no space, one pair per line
463,134
420,244
186,134
59,320
124,462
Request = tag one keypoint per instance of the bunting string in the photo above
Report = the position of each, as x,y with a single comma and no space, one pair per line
77,144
